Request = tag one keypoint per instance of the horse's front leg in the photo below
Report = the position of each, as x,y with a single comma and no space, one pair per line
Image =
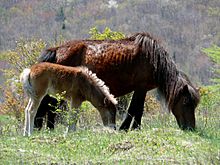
135,111
139,112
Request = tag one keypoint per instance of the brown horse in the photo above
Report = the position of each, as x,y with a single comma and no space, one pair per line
79,83
137,63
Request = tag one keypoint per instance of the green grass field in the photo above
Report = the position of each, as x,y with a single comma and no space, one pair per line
159,141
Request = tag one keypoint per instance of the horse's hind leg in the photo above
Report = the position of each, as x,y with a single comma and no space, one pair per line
51,115
41,113
135,109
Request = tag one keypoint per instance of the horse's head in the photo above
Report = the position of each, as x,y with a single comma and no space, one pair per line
184,107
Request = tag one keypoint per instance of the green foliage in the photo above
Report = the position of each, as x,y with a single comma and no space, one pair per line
59,97
24,55
106,34
214,11
159,142
152,104
69,116
211,94
214,53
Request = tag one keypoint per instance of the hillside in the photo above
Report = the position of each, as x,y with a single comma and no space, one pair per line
184,27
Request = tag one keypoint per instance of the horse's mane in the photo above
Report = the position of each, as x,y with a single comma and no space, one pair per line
99,83
169,79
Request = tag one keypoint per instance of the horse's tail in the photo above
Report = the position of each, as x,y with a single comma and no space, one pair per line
25,80
49,55
98,84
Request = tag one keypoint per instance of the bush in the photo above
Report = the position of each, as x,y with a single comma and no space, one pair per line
106,34
24,55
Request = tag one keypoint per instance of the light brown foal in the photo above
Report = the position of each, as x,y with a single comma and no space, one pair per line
79,84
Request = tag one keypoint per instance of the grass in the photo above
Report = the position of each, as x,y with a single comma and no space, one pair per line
159,141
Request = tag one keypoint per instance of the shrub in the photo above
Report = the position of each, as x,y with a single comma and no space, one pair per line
24,55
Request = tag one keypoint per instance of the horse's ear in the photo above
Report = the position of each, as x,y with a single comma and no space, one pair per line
186,89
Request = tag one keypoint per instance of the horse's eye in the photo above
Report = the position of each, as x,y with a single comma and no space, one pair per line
185,101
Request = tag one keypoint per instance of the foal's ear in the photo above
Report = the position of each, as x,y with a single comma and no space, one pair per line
79,73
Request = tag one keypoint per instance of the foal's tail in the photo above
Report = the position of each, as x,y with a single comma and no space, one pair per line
25,80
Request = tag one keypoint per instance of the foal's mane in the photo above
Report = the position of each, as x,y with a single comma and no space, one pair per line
169,79
98,83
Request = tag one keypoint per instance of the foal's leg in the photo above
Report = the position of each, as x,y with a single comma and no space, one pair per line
27,118
73,115
30,113
73,118
136,109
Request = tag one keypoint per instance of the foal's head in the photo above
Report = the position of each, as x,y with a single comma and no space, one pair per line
94,90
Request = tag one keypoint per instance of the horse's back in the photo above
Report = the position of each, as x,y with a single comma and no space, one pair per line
120,64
